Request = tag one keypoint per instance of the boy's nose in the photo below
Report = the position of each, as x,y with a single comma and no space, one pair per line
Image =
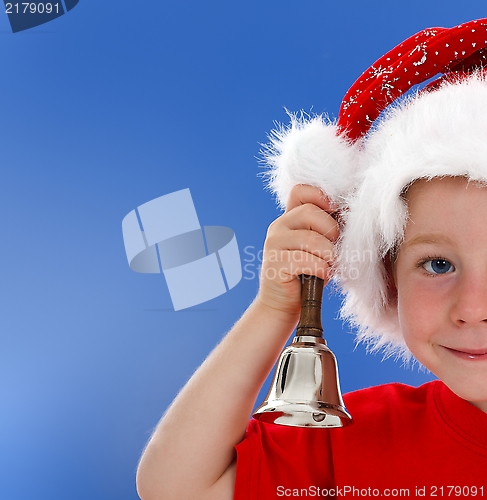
470,301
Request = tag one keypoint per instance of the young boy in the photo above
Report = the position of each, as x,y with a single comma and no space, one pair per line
401,229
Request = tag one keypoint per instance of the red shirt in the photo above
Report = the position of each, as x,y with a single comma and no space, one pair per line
405,442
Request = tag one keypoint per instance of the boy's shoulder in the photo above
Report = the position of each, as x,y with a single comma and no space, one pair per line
393,402
392,392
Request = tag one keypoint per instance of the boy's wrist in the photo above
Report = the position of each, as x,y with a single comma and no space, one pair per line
275,312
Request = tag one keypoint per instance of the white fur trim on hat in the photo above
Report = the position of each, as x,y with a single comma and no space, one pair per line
309,151
436,134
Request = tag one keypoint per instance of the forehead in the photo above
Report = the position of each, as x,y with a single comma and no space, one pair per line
452,192
446,205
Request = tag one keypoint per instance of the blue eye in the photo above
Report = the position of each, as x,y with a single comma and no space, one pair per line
438,266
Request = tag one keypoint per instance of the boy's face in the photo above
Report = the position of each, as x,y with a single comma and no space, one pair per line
441,281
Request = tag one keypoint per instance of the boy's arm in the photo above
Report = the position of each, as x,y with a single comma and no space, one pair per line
191,453
194,443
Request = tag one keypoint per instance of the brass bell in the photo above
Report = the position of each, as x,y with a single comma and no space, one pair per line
305,391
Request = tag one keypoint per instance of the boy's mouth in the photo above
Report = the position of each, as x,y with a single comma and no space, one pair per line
468,353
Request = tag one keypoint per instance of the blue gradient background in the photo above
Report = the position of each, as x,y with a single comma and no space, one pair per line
105,108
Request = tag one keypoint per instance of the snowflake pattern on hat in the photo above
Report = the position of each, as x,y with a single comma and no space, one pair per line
428,53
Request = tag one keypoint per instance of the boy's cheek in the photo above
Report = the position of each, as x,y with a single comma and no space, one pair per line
420,351
418,310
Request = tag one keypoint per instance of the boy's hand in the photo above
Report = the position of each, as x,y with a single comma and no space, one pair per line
301,241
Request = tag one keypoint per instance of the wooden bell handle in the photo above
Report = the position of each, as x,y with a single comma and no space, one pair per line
311,299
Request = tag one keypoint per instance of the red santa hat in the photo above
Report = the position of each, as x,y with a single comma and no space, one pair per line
381,143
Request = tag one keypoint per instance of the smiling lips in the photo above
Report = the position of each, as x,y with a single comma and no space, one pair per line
470,354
